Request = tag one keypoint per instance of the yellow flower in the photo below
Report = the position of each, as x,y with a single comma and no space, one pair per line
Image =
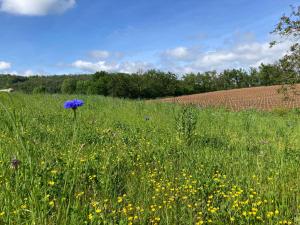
51,203
92,177
98,210
120,199
2,214
285,222
51,182
270,214
90,216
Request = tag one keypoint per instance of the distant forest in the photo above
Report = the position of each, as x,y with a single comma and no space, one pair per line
153,83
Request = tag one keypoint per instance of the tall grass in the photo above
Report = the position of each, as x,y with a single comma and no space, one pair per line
134,162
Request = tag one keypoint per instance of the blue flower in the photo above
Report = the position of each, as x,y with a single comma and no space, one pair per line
73,104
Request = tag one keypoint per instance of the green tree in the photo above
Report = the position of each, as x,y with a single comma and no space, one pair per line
82,86
270,74
68,86
234,79
39,90
288,28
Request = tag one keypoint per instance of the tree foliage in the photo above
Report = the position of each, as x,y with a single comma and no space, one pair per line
288,28
151,84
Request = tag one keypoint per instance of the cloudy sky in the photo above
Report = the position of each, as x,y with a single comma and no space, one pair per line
80,36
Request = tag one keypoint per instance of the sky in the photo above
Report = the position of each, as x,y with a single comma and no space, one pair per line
181,36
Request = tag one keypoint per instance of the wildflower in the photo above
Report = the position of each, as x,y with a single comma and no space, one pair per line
92,177
94,204
90,216
2,214
270,214
51,183
73,104
98,210
51,203
120,199
15,163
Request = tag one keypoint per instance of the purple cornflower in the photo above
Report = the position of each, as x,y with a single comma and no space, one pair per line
73,104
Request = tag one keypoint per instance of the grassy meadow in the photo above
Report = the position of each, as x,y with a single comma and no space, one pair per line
135,162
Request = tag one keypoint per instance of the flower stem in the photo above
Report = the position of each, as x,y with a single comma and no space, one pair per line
74,112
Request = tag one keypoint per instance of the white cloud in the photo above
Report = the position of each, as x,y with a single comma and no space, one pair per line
35,7
100,54
95,66
124,67
243,55
240,55
179,53
133,67
103,55
5,65
28,73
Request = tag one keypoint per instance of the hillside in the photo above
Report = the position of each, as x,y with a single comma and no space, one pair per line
262,98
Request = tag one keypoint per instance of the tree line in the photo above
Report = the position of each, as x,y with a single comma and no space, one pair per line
153,83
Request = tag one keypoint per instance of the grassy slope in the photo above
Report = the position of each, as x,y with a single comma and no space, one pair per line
118,167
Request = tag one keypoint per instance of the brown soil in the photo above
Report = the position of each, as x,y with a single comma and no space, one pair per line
262,98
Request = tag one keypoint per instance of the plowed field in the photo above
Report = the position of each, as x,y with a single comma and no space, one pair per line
262,98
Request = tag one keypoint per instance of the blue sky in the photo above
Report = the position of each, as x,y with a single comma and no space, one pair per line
79,36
